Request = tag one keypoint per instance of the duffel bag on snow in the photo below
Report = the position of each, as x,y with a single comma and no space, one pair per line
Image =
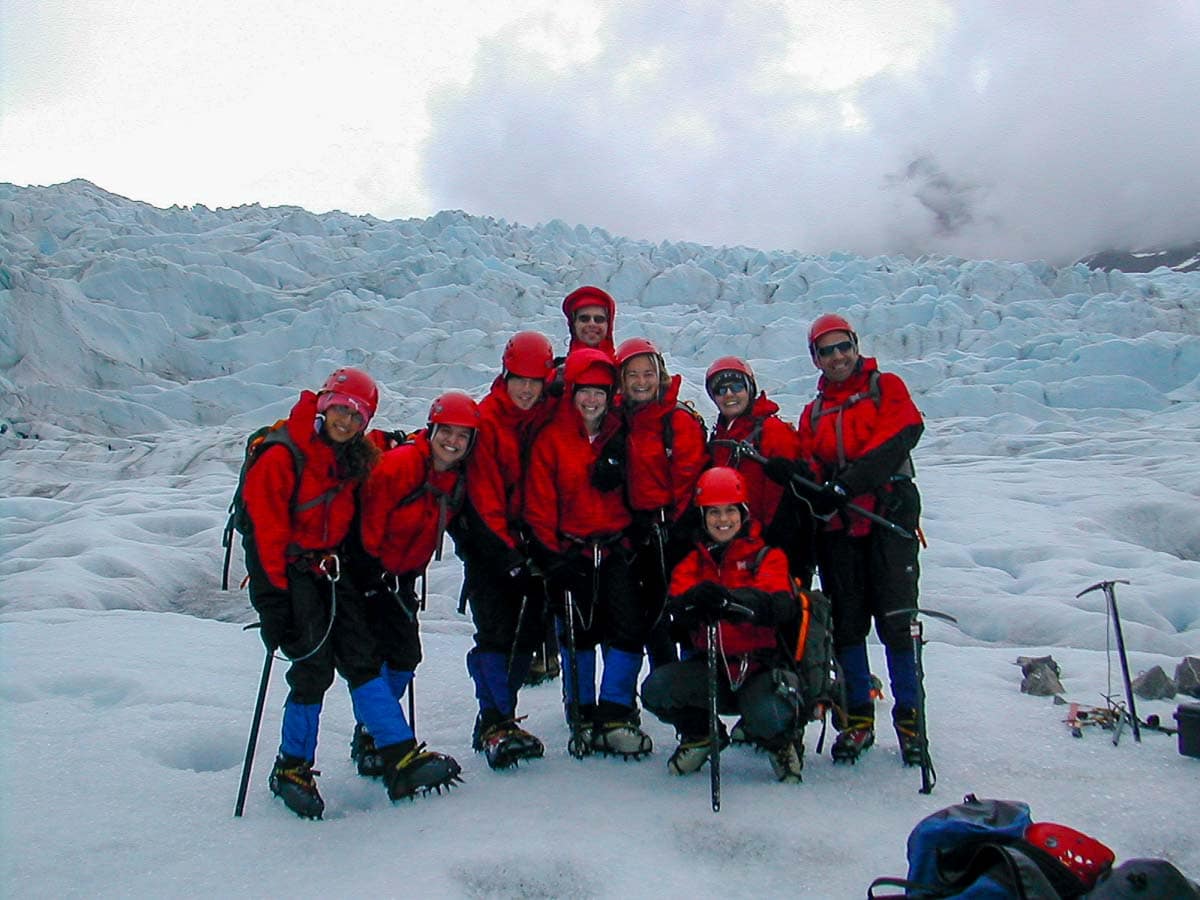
992,850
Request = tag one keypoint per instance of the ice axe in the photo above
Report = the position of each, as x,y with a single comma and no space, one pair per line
1111,596
916,631
252,743
747,450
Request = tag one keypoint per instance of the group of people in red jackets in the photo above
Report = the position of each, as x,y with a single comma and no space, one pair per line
585,499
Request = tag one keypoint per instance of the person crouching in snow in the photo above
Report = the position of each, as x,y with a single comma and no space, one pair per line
409,499
733,578
579,538
507,600
318,620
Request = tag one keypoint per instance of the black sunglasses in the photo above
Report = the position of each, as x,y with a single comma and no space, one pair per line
840,347
598,318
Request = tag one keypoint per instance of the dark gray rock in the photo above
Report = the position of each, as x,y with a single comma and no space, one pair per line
1154,685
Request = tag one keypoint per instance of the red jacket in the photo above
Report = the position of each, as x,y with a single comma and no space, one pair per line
658,479
559,497
774,438
742,643
406,507
496,463
278,536
859,439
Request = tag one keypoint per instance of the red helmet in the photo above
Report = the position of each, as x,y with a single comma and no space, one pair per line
350,387
454,408
720,486
588,295
825,324
729,364
632,347
589,366
529,354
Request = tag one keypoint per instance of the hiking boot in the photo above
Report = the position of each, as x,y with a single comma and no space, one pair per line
579,744
855,736
904,719
508,743
693,752
543,668
617,732
787,761
293,781
410,769
365,754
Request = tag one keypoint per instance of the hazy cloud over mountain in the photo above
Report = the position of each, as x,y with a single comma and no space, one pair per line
1013,130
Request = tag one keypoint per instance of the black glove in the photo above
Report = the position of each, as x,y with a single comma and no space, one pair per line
514,564
833,496
706,601
276,626
780,469
608,472
554,387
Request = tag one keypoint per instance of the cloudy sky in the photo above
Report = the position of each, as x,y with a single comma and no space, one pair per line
1016,129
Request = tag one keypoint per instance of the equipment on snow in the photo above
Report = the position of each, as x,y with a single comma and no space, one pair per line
812,488
252,741
1188,717
1111,596
916,631
987,849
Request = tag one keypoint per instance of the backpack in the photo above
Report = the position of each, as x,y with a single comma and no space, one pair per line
821,684
239,519
669,425
809,646
992,850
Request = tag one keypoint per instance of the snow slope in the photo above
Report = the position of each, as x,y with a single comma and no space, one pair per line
138,346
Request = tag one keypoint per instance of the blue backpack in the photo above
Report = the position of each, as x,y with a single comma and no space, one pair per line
979,850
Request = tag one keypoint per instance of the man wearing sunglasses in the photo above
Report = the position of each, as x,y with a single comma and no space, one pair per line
859,432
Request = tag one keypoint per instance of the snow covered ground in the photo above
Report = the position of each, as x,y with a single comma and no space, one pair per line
138,346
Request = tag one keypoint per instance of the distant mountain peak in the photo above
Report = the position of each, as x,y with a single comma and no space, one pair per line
1180,258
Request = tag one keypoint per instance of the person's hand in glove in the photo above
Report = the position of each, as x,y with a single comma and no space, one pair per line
833,496
780,469
703,603
275,624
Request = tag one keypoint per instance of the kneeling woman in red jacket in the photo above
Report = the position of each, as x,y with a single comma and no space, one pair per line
733,578
579,542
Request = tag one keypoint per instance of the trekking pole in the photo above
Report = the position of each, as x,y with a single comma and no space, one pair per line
252,743
571,685
714,722
1110,595
749,452
916,631
412,703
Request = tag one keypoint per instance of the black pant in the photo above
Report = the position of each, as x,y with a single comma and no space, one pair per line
316,646
500,603
393,621
608,609
867,577
767,701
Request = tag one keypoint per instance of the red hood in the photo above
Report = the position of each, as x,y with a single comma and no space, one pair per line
588,295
